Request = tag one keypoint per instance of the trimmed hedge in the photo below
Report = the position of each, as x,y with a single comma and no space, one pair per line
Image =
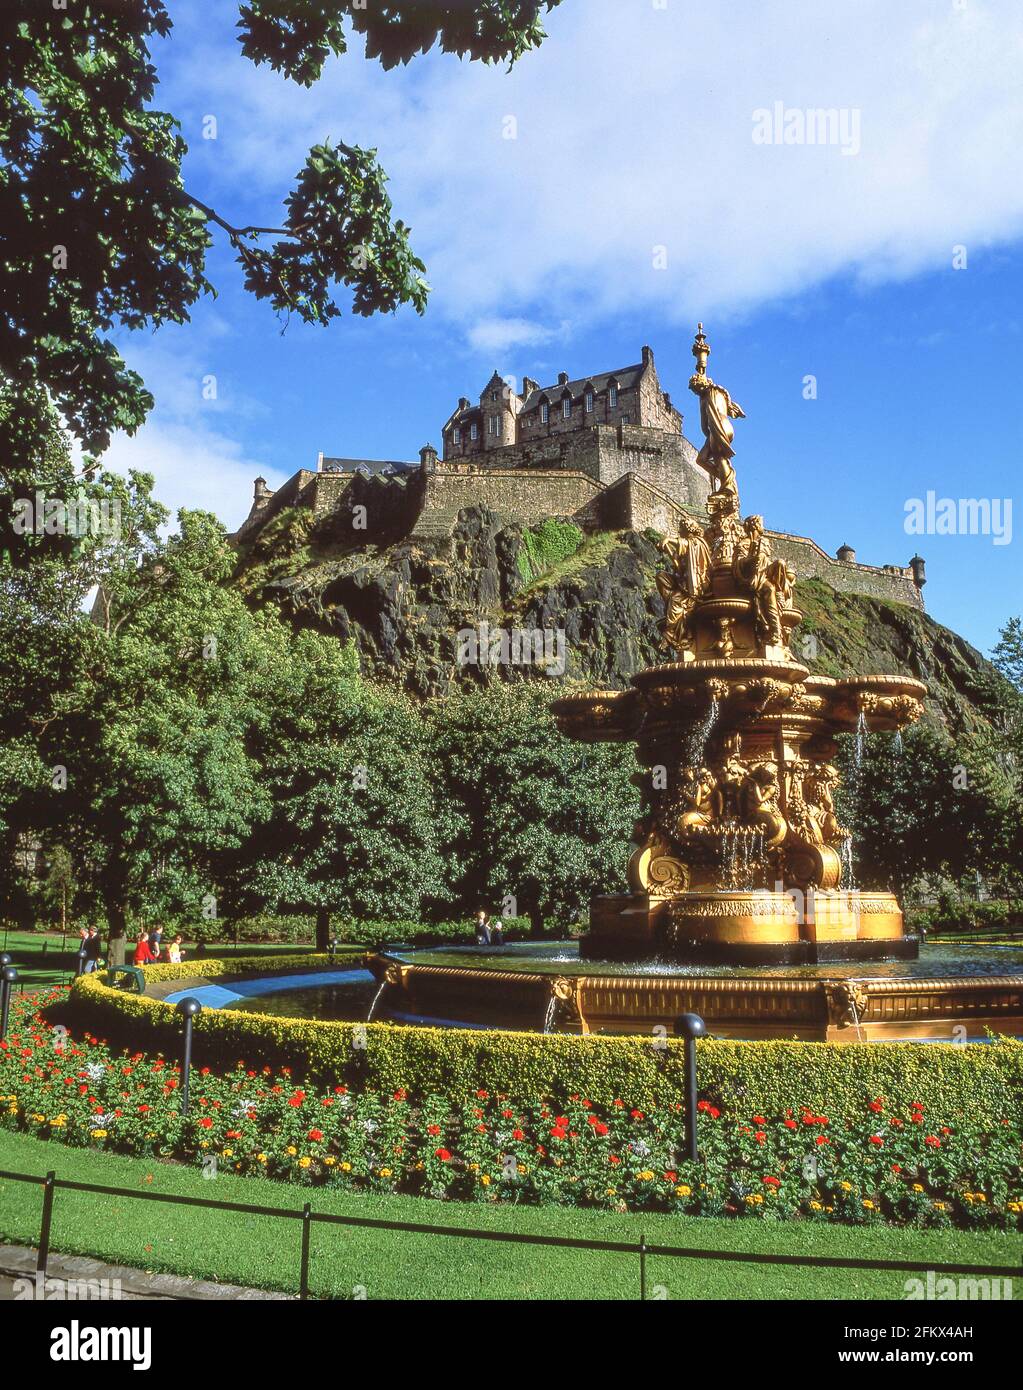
983,1080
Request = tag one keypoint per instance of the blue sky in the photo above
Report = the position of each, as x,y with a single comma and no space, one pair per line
633,201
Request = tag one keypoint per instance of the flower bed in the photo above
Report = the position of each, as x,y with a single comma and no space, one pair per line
882,1161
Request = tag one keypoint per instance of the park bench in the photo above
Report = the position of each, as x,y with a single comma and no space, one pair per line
135,977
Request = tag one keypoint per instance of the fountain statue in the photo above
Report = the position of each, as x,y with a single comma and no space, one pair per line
742,904
739,853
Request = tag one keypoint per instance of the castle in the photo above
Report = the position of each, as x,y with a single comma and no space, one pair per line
606,451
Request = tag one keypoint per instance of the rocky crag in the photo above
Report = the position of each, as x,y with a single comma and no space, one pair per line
404,605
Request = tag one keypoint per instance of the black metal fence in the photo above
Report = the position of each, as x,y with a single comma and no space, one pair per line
641,1249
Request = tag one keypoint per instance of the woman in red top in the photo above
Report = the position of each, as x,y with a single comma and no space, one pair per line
143,955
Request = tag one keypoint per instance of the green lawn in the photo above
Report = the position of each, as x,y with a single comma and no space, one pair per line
40,960
264,1252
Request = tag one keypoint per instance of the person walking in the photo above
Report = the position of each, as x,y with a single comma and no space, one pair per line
143,955
155,938
93,947
174,952
482,928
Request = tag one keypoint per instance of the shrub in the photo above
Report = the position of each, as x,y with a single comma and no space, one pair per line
956,1080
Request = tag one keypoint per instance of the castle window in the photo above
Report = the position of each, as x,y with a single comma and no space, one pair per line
566,407
589,402
545,413
494,424
474,430
457,436
625,419
612,397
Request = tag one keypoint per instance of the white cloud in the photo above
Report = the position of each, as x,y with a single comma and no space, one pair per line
635,150
183,444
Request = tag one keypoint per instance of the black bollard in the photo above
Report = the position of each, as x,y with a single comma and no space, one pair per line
82,958
690,1027
188,1008
8,975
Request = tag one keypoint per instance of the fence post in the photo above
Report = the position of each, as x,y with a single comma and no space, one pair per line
44,1233
307,1221
690,1027
8,975
188,1008
642,1268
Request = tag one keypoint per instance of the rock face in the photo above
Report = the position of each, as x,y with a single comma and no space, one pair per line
408,608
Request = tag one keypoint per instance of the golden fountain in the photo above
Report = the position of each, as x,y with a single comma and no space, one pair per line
739,854
742,906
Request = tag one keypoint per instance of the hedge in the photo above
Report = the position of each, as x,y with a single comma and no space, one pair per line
983,1080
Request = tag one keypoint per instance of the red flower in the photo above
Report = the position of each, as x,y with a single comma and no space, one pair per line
206,1122
315,1134
876,1105
400,1094
876,1139
822,1139
933,1141
760,1136
483,1095
433,1129
443,1155
759,1120
637,1114
791,1124
772,1182
517,1134
296,1100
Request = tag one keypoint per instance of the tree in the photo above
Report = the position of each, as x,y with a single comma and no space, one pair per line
930,806
100,230
530,815
352,826
160,779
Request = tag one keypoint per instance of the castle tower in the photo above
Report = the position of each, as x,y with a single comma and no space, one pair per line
499,406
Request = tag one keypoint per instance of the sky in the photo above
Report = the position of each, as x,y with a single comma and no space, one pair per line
643,170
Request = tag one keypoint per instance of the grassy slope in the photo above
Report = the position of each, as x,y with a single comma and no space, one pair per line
264,1253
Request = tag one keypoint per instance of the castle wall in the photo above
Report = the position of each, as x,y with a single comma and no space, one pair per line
891,583
519,495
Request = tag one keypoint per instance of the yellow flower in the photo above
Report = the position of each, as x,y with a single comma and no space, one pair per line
815,1206
474,1167
645,1176
683,1190
485,1179
521,1168
385,1172
845,1186
98,1133
58,1122
939,1206
918,1187
260,1158
612,1192
346,1167
330,1160
228,1153
292,1150
868,1204
304,1162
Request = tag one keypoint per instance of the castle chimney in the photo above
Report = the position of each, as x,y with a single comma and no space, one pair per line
648,356
846,554
562,378
428,458
260,491
919,569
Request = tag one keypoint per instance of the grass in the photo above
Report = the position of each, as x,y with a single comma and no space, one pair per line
263,1252
44,958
